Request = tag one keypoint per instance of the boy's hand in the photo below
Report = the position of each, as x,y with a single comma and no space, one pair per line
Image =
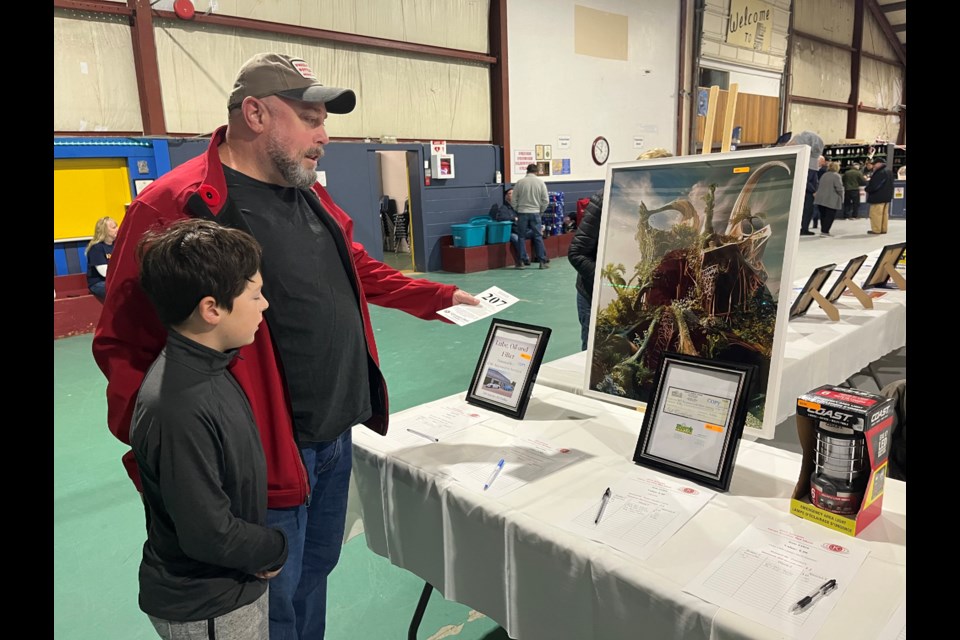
266,575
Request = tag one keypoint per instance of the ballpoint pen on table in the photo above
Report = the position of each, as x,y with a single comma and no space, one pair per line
493,476
806,602
603,505
423,435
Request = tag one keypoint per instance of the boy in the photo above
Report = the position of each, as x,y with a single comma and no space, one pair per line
208,555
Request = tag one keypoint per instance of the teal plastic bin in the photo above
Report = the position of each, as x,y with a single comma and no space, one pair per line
484,220
498,232
468,235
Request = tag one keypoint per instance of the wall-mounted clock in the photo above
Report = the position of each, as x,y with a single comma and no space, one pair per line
600,150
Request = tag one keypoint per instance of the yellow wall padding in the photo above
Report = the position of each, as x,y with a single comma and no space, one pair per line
85,190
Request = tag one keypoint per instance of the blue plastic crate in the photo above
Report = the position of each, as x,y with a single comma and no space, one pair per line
481,220
498,232
468,235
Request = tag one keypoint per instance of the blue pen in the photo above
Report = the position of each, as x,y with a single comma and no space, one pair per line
493,476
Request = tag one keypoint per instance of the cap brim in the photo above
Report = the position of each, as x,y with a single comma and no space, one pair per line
336,100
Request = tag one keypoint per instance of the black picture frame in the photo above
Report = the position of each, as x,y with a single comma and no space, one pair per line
847,274
680,435
889,255
815,282
508,365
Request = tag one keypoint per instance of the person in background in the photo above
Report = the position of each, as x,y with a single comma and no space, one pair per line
583,251
821,169
530,200
208,553
506,213
98,253
313,371
879,194
829,197
852,181
868,168
815,143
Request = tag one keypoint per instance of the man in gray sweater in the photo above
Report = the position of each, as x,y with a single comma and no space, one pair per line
530,200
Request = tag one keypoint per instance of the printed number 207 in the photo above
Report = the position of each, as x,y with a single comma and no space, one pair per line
492,299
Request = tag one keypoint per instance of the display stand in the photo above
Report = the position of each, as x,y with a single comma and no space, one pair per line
828,307
895,275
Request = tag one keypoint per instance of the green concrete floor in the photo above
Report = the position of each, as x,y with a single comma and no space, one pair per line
98,518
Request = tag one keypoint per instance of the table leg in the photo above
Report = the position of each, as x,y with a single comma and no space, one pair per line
421,609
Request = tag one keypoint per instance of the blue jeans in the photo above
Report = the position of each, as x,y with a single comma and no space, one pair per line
583,314
99,290
530,223
298,595
520,248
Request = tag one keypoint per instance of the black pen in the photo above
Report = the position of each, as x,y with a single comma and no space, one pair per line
806,602
603,505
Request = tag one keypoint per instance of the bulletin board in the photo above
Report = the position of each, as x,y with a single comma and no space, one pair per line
85,190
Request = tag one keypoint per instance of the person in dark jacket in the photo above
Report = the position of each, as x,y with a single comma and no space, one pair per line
208,553
879,194
504,213
582,253
815,143
852,181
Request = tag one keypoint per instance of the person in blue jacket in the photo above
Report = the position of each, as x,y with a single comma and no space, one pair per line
98,253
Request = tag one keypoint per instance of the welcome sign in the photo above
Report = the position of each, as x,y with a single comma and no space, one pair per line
751,24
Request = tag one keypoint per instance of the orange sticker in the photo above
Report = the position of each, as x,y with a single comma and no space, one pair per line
713,427
808,405
525,356
741,169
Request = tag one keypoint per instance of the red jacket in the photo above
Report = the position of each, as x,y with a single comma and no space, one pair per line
129,335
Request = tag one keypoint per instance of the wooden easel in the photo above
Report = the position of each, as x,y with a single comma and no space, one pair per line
896,276
858,293
729,107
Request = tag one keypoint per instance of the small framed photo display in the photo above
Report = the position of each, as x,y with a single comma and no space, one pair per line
846,276
692,427
885,268
814,283
508,366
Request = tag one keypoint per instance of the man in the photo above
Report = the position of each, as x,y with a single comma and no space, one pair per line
852,181
821,169
530,196
879,194
815,143
506,213
313,371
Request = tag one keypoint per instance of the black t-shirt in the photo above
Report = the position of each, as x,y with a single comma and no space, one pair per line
314,313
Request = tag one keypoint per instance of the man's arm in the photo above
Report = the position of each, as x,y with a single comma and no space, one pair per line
129,334
544,197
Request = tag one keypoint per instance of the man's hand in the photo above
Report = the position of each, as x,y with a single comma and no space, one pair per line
266,575
462,297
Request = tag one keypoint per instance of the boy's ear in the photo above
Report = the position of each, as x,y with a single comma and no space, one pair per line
208,311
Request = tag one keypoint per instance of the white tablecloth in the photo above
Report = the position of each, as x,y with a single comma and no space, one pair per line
508,558
817,351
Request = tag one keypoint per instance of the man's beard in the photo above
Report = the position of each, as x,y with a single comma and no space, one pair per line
291,170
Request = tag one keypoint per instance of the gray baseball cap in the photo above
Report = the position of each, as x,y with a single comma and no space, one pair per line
275,74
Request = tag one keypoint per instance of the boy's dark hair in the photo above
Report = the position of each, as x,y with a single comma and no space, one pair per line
192,259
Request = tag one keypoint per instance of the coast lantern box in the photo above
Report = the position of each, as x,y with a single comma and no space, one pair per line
845,435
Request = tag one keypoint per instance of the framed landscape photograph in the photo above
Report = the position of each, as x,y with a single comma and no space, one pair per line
695,257
693,424
508,366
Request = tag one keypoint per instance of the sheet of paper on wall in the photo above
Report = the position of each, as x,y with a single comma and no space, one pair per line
426,424
641,513
783,574
492,301
525,460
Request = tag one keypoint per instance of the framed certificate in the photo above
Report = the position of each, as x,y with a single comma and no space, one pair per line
508,366
692,426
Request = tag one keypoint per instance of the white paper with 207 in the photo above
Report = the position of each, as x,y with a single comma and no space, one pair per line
492,301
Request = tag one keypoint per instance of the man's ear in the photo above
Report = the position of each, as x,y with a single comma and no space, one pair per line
254,112
208,311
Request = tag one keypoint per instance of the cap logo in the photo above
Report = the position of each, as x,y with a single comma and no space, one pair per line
303,68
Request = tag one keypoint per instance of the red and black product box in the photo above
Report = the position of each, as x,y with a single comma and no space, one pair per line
845,437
